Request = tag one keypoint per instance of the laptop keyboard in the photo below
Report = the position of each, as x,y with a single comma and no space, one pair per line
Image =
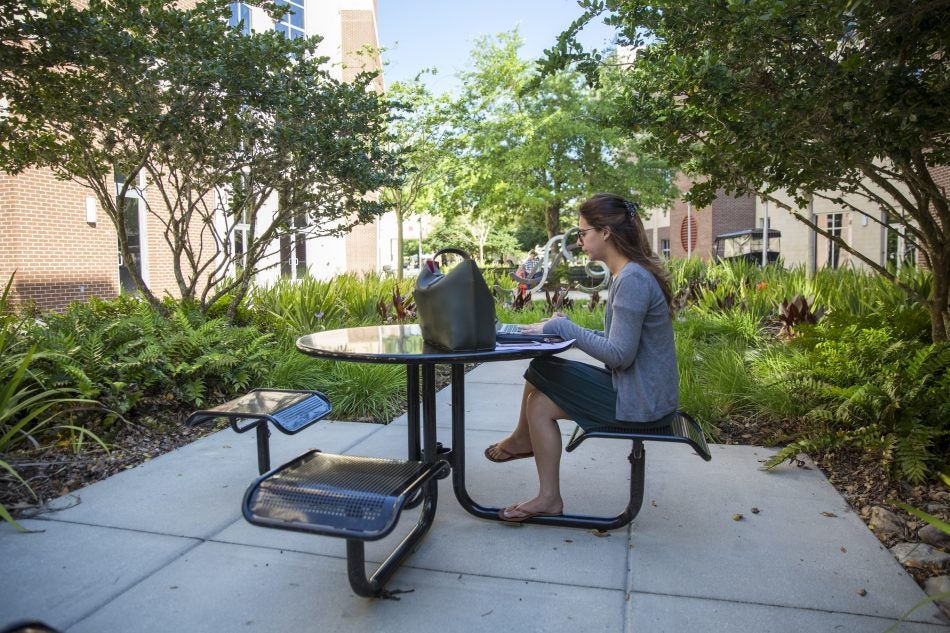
509,328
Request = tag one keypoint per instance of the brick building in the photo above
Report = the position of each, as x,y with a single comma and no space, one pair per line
64,249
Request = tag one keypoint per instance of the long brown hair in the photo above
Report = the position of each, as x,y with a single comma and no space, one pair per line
607,211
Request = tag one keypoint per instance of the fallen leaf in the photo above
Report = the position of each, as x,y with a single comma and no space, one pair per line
829,514
755,510
862,592
737,517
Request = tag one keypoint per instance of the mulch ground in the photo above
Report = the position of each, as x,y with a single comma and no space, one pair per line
57,470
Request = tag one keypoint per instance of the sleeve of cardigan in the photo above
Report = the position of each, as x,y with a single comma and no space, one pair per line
618,350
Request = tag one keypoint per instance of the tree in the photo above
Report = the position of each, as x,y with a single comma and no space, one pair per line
835,100
222,124
418,133
529,148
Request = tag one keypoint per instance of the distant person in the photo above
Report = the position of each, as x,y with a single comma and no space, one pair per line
531,267
638,382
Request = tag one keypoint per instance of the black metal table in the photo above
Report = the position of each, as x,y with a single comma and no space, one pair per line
403,345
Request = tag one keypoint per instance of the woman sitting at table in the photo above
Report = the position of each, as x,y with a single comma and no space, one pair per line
640,384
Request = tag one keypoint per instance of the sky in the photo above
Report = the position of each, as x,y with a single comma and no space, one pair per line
440,33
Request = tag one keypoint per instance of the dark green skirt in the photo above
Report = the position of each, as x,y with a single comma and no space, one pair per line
585,392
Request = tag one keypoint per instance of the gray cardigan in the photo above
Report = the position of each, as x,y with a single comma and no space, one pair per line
636,345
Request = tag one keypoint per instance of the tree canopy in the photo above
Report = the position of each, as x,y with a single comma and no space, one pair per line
222,124
418,130
835,99
526,150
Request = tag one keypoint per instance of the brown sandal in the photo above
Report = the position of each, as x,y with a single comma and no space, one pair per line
505,456
523,515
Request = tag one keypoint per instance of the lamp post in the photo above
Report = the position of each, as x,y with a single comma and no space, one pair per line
419,250
689,230
765,235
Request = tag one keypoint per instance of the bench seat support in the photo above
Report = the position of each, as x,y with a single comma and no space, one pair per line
356,498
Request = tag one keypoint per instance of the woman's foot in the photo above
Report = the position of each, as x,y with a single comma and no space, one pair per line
498,453
518,512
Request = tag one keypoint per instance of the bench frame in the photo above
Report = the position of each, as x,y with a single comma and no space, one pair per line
421,490
682,428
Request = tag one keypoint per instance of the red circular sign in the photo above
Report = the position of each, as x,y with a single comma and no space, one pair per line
688,233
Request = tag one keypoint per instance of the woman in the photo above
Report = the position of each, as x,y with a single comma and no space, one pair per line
640,384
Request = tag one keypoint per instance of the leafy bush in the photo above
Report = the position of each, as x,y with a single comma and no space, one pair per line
28,408
869,388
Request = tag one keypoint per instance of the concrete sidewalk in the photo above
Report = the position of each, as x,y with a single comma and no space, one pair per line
163,547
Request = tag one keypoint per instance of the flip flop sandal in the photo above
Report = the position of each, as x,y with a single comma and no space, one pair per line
523,515
505,456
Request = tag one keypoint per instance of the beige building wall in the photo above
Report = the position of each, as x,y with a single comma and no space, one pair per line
864,231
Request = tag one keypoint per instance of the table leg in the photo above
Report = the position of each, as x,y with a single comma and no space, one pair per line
412,412
429,448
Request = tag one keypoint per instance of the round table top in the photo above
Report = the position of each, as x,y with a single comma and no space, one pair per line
403,344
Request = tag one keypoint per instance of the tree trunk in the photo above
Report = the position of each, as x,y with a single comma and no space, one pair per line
939,303
399,244
552,219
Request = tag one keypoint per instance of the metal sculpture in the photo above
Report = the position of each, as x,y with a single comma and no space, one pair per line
562,245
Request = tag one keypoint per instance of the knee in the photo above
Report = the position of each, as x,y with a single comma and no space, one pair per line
540,408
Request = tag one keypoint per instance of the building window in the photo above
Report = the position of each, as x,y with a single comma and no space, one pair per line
293,249
291,23
897,250
131,206
665,248
834,223
240,17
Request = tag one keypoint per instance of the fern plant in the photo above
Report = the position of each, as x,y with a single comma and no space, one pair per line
900,411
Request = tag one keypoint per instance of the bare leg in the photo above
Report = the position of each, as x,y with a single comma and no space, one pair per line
542,415
519,441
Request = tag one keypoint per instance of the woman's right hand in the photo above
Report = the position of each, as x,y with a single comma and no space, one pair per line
533,328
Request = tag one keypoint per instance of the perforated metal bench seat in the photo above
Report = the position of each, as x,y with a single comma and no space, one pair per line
336,495
679,428
289,410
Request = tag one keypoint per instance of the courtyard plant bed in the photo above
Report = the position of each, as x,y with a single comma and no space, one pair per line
838,367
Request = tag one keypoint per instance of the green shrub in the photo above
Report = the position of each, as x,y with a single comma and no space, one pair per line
885,395
365,391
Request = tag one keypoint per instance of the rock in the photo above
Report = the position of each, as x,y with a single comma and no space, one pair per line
921,556
933,535
939,584
885,523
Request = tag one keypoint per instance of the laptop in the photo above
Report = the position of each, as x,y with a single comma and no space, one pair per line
507,328
511,334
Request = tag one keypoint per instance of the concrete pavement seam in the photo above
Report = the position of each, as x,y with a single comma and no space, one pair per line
788,606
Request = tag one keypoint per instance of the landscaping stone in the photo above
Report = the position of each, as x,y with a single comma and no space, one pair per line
933,535
937,585
885,523
921,556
